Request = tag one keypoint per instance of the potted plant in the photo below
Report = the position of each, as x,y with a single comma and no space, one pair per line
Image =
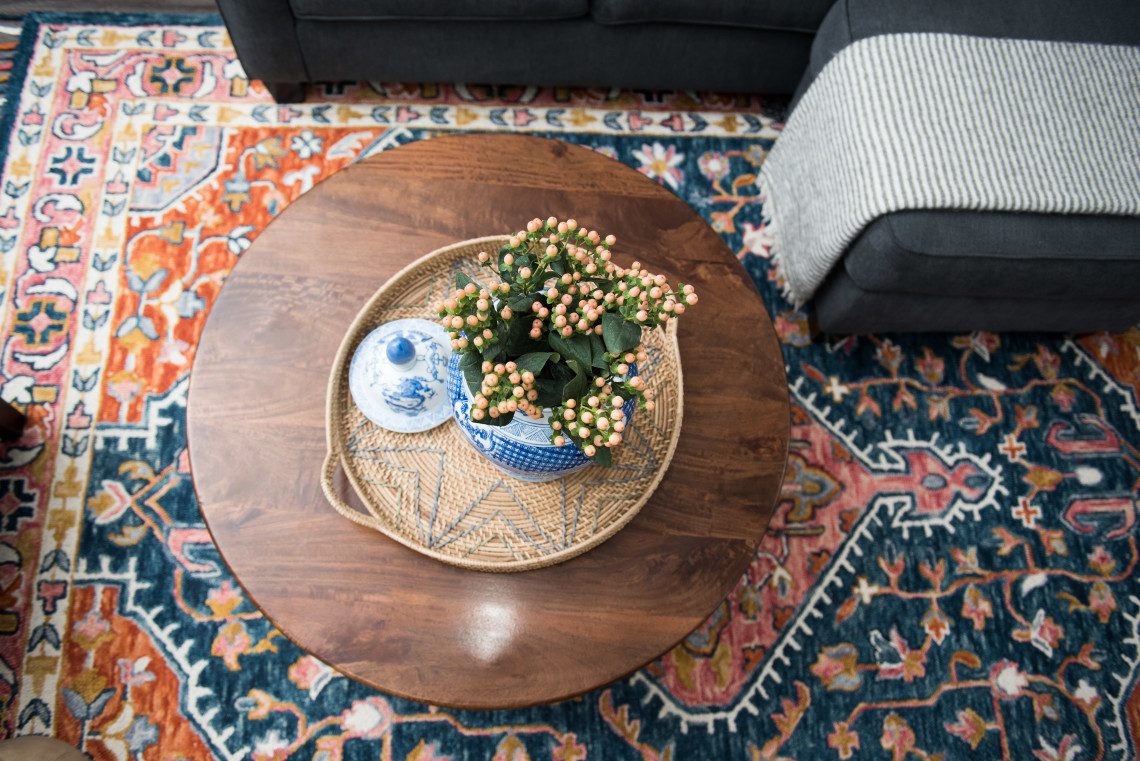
543,376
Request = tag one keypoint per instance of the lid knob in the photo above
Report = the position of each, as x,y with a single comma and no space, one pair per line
400,351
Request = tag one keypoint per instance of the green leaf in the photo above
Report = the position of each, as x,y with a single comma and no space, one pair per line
516,338
620,334
559,267
577,385
501,420
604,456
605,286
575,347
522,302
461,280
470,359
561,371
549,392
598,351
528,346
535,361
474,377
491,350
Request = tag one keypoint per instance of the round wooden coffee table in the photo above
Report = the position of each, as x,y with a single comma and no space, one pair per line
402,622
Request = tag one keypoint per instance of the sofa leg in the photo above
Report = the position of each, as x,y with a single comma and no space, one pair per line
11,422
814,331
286,92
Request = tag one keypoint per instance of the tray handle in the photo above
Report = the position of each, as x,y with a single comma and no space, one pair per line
332,462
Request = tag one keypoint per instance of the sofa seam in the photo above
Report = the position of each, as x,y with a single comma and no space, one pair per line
689,22
986,257
498,19
1012,297
532,19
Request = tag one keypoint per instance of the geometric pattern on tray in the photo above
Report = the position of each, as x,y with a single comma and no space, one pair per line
951,569
439,494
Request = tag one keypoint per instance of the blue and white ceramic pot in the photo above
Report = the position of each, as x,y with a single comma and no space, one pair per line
522,448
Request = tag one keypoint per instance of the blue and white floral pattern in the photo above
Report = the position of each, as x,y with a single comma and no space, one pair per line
522,449
404,398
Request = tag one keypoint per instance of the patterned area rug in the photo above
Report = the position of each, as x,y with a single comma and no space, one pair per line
950,572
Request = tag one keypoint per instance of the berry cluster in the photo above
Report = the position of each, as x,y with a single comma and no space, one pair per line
466,315
504,390
562,330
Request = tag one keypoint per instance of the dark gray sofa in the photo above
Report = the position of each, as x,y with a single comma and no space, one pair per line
726,45
917,270
964,270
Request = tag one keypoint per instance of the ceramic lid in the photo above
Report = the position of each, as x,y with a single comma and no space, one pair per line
398,375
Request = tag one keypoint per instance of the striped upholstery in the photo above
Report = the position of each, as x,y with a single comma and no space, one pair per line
935,121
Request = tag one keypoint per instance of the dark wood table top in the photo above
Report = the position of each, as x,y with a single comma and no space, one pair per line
402,622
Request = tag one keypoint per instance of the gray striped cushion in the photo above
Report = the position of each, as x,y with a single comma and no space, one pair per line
935,121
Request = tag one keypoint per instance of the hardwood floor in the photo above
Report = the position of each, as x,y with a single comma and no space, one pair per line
16,8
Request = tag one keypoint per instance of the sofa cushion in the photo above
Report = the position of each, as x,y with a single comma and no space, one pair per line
841,306
378,10
1113,22
996,254
640,56
787,15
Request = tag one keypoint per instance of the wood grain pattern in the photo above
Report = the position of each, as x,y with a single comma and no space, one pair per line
402,622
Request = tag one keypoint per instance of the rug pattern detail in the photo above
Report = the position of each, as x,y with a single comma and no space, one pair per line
950,573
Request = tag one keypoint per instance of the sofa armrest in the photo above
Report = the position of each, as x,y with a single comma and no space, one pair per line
264,32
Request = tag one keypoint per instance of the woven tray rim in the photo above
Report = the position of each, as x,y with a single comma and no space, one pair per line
334,457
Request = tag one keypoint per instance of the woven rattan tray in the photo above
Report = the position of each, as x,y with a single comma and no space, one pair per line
434,493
